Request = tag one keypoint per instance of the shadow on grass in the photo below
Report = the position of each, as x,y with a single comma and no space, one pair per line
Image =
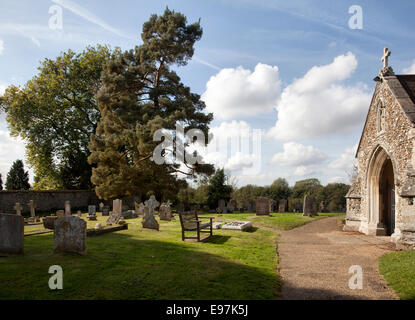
120,266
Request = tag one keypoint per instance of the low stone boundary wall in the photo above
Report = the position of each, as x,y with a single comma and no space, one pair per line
47,201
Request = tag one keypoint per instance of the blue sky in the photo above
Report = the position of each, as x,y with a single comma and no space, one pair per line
293,69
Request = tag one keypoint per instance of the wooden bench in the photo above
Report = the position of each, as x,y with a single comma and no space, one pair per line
190,222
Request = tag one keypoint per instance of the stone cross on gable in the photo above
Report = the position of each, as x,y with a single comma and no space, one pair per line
32,207
385,58
18,207
152,203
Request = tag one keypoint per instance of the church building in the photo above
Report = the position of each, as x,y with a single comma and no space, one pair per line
381,201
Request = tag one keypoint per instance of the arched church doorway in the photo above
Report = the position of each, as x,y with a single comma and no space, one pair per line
381,194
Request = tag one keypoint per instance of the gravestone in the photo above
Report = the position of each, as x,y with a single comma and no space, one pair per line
18,207
140,209
32,208
92,214
105,211
165,211
262,206
11,234
101,206
117,206
60,213
149,222
238,225
232,206
79,213
283,205
221,205
252,206
70,235
129,214
49,222
323,207
68,208
310,206
92,211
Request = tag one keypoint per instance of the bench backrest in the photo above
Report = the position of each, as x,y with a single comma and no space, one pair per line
188,218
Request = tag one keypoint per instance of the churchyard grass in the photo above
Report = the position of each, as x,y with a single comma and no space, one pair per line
398,269
282,221
145,264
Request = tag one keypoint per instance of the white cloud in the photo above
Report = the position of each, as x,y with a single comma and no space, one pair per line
1,46
297,155
303,171
337,180
11,149
317,104
346,160
235,93
410,70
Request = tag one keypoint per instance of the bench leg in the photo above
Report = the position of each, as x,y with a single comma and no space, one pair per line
182,235
198,235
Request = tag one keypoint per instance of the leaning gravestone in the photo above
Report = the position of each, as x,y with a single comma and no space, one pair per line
310,206
149,222
70,235
11,234
262,206
117,206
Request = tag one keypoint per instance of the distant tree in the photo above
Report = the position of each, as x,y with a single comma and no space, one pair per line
1,182
17,178
218,189
307,186
279,189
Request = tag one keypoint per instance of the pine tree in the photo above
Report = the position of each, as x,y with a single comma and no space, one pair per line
17,178
218,189
140,95
1,182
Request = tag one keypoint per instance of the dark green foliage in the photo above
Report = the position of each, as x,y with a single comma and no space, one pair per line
55,113
141,95
17,178
218,189
1,182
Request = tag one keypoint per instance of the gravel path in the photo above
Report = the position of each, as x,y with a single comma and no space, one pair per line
315,261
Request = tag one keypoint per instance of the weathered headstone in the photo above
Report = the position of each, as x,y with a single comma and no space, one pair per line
117,206
79,213
32,208
283,205
92,211
105,211
323,206
252,206
18,208
149,221
11,234
49,222
221,205
101,206
165,211
262,206
60,213
68,208
310,206
70,235
140,209
92,214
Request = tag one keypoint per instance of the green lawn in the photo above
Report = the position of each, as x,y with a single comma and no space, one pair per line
398,268
145,264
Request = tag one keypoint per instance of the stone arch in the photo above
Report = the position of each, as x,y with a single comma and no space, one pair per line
381,171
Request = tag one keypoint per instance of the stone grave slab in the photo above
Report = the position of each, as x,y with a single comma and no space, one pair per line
238,225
